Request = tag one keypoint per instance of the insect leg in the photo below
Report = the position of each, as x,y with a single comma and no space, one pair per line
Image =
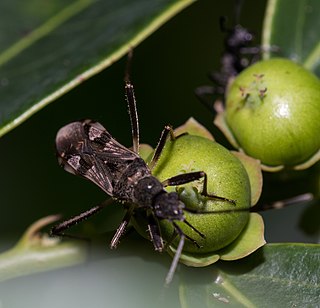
172,238
162,141
180,232
122,228
155,234
184,178
194,229
59,228
132,107
205,190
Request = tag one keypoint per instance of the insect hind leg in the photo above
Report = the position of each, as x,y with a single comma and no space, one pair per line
58,230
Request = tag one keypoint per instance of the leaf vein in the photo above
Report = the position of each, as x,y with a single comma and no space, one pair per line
40,32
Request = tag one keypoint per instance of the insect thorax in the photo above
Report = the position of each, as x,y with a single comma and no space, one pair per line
125,188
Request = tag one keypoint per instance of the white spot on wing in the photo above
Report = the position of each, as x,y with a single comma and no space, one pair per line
94,133
74,161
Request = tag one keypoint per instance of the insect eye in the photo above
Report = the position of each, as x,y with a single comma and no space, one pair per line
248,37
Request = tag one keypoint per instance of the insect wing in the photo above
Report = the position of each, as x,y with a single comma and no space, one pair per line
85,148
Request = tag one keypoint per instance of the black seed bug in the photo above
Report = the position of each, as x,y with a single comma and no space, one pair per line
87,149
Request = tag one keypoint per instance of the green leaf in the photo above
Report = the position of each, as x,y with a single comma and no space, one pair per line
48,49
253,168
250,239
293,26
193,127
37,252
278,275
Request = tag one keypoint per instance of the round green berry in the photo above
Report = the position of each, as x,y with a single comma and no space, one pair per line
227,178
273,112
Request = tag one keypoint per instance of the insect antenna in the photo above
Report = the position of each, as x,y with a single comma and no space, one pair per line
132,105
237,11
235,19
177,255
175,260
183,236
284,203
260,207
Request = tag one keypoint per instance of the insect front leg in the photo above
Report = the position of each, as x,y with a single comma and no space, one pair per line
185,178
177,231
155,233
168,130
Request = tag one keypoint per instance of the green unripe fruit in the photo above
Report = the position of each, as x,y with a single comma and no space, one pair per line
273,113
227,178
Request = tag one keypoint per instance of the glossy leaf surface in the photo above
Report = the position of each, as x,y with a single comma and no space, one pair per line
293,27
46,49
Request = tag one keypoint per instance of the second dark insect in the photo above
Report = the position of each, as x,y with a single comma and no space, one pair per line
238,54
